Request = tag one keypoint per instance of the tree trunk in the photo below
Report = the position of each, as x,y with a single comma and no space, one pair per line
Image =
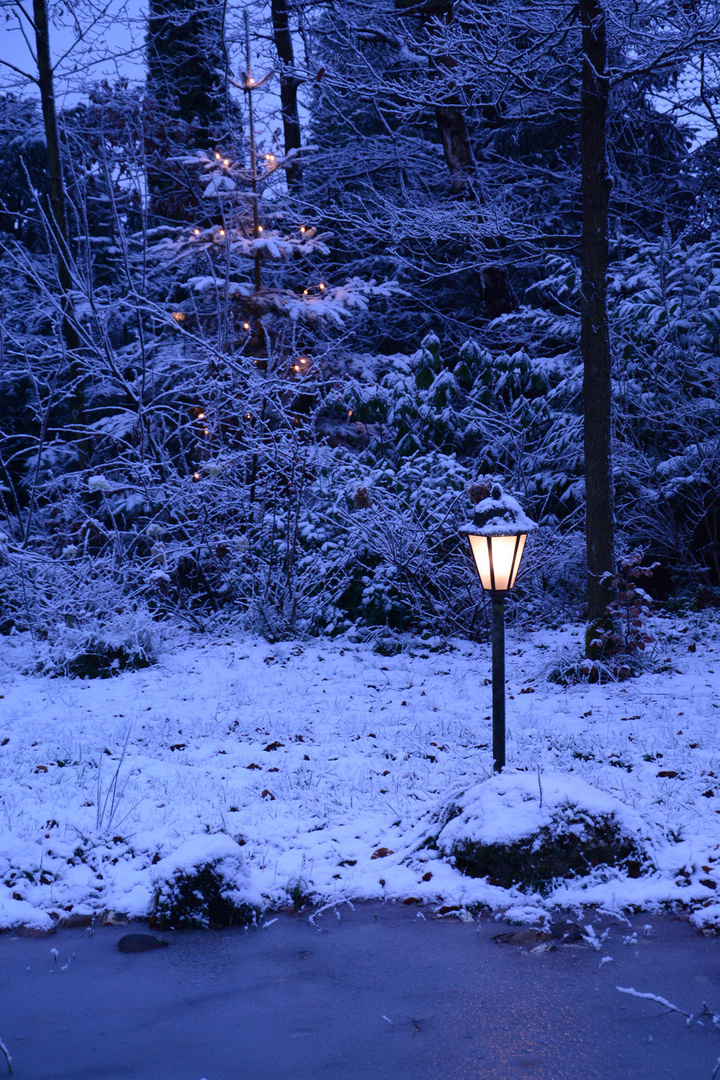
58,216
453,131
594,334
288,88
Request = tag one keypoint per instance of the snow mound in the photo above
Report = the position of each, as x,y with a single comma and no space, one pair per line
204,883
527,830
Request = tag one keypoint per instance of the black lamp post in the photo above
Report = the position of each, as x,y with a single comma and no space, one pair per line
497,537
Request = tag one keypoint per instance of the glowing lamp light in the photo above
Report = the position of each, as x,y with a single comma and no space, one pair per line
260,228
303,359
302,228
226,163
178,316
196,476
497,538
246,326
201,416
321,285
497,559
218,157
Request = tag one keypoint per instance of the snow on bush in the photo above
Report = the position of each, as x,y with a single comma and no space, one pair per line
204,883
100,647
527,830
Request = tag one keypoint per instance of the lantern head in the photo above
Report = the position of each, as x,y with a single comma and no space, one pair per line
497,538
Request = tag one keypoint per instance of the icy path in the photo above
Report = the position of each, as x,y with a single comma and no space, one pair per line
374,993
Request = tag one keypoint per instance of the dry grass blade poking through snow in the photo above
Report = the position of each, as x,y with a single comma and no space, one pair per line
108,803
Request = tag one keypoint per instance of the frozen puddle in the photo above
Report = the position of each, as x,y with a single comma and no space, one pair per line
377,993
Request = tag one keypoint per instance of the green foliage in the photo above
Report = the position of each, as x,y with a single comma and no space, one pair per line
573,845
199,900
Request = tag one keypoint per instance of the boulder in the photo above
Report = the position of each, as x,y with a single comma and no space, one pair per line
137,943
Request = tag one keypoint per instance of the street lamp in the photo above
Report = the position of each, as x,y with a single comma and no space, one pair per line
497,538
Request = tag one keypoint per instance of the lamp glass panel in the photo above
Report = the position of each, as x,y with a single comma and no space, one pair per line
518,556
481,553
497,559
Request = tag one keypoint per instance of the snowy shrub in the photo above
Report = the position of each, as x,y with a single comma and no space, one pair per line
101,653
616,641
552,582
83,620
526,830
385,547
575,668
204,884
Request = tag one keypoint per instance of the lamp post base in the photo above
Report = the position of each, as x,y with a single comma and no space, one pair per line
498,682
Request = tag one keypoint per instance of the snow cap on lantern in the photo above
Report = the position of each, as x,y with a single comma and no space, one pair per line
497,537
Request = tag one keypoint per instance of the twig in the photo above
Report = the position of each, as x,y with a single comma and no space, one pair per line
660,1000
6,1052
326,907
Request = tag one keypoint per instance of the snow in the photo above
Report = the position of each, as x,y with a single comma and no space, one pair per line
220,852
499,515
510,807
323,767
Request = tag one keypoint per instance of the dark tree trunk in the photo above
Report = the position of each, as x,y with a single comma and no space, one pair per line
594,334
453,131
288,87
58,222
58,216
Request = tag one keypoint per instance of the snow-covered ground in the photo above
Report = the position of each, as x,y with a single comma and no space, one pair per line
317,756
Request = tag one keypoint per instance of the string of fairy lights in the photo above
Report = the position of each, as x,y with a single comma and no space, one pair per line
300,365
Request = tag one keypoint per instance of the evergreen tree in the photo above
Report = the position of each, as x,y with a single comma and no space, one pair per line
189,104
186,59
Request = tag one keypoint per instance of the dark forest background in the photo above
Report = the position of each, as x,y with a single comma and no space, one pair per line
274,319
